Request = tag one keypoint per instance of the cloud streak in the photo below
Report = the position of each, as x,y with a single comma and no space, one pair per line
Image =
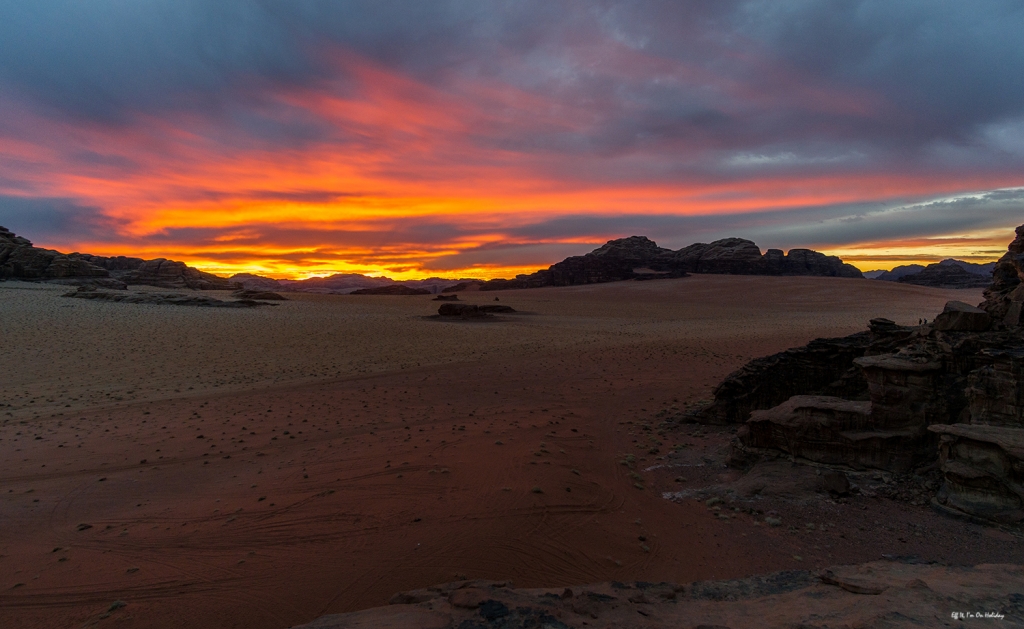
485,137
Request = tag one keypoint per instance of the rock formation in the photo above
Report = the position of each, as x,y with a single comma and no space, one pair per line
394,289
472,311
161,299
949,393
638,257
171,274
20,260
879,594
1004,298
265,295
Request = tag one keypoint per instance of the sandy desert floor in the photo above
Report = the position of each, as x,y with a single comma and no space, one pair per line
259,468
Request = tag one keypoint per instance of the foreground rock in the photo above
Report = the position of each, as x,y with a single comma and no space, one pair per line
949,394
879,594
162,299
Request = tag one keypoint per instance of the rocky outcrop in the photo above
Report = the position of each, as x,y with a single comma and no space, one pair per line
960,317
835,431
161,299
949,393
1004,298
983,470
20,260
822,367
171,274
878,594
472,311
394,289
265,295
940,275
640,258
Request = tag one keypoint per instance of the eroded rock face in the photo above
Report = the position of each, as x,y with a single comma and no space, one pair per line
951,393
878,594
172,274
1004,298
20,260
822,367
834,431
960,317
983,468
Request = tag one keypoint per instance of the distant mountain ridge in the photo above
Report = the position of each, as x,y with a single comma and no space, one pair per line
640,258
635,257
948,273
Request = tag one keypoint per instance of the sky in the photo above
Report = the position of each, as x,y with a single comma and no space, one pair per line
487,138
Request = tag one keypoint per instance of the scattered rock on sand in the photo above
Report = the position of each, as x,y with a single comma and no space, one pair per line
446,298
916,595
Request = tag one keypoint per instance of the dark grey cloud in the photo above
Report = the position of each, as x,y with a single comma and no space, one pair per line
705,74
53,220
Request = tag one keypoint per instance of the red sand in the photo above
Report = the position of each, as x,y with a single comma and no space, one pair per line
270,506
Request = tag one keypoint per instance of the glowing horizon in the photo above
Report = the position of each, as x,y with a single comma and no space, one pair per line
325,142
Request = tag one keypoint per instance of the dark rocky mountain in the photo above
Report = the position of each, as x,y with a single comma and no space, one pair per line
946,394
638,257
948,273
941,275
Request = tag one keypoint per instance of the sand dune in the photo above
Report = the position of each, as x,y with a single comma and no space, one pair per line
258,468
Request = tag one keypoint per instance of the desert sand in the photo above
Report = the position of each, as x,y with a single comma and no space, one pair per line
260,468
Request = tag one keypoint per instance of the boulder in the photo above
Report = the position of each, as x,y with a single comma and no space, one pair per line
960,317
446,298
463,311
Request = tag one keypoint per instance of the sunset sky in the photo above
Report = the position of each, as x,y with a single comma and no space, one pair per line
477,138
